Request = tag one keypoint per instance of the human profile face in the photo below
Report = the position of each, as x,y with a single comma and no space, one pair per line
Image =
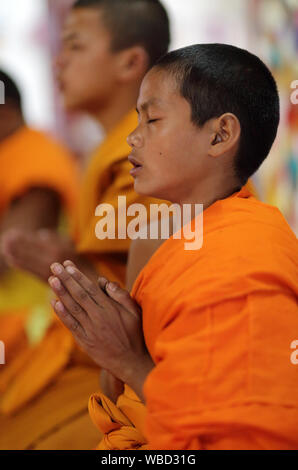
86,66
169,153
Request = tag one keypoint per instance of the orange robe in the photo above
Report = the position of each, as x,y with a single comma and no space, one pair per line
121,424
219,323
106,178
29,158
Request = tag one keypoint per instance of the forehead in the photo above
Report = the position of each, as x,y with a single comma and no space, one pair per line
84,21
159,89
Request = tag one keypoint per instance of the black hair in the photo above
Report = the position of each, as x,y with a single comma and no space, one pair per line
134,22
220,78
12,94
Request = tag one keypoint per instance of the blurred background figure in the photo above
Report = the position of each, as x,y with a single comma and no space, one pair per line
38,181
29,39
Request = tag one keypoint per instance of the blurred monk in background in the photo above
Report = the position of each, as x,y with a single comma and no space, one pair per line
39,184
108,46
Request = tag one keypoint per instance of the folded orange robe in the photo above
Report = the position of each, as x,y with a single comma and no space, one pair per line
107,177
219,323
121,424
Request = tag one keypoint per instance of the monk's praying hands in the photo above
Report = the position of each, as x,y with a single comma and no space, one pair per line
105,321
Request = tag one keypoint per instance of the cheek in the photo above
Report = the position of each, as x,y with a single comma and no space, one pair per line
167,154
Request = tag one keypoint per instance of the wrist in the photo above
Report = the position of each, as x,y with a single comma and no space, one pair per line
135,372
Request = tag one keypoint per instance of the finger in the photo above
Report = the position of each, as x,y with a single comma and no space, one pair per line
103,282
91,288
69,303
76,291
81,278
122,297
68,320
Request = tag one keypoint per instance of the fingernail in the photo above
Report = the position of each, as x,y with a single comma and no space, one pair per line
56,283
57,268
68,261
59,306
70,270
112,286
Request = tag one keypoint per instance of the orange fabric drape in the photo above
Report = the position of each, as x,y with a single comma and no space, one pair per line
218,323
122,423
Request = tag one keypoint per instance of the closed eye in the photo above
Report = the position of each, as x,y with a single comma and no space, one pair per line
150,121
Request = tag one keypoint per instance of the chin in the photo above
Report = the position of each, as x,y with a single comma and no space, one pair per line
72,105
144,189
72,102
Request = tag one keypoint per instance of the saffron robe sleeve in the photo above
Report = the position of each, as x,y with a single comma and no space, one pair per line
219,323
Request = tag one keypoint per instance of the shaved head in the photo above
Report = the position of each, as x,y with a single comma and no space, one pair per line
134,22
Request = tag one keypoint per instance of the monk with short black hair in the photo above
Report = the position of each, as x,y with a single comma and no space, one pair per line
204,339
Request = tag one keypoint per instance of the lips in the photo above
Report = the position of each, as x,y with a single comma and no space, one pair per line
60,83
137,166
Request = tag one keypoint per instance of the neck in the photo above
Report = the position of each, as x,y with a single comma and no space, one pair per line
10,128
212,190
116,108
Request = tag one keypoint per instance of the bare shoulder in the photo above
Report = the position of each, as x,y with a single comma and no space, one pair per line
142,250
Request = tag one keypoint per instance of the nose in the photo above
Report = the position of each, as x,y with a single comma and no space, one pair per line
135,139
59,62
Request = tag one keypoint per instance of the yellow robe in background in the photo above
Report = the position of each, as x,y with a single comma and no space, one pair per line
69,376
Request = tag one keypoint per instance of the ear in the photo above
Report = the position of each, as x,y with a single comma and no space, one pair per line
225,135
133,64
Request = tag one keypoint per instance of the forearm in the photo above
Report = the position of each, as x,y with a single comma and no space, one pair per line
3,265
110,386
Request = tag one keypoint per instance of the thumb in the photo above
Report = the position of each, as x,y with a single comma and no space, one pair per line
119,295
9,241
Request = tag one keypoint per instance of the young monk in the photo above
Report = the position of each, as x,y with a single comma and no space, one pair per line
100,69
204,339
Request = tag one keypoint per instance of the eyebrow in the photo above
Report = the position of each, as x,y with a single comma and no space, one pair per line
147,104
67,37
